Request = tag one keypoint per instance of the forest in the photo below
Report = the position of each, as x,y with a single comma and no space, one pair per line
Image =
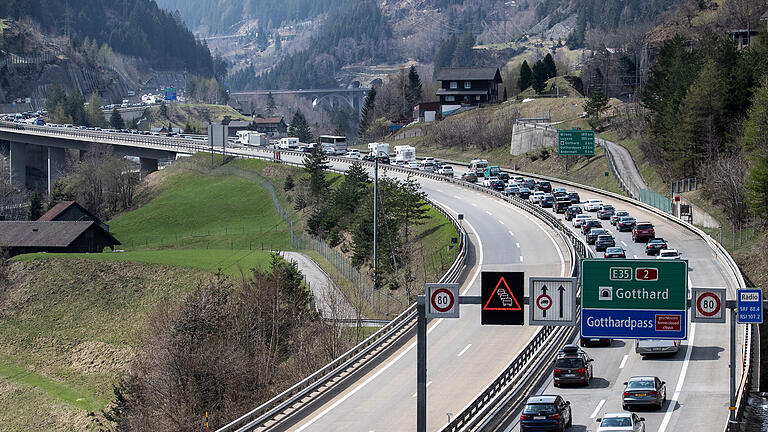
138,28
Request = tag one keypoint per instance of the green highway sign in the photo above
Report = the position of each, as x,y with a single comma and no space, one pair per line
634,284
576,142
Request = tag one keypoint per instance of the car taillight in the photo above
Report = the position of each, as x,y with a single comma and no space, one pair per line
526,417
653,393
582,370
557,371
626,393
554,416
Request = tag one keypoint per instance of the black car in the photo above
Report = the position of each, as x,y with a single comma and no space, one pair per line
547,201
497,185
626,223
560,195
589,224
603,242
524,193
561,206
605,212
572,365
593,233
546,413
469,177
544,186
530,184
503,176
384,159
575,198
614,252
572,211
654,245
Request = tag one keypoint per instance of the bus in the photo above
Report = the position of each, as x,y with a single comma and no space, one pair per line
338,143
478,166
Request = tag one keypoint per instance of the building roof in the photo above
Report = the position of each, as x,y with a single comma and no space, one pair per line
239,123
469,74
45,234
267,120
58,209
460,92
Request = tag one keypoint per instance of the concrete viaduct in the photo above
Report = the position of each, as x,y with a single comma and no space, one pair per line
38,152
352,97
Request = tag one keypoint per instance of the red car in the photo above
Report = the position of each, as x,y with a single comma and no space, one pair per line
643,231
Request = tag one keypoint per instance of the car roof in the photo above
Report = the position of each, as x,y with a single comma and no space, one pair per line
617,415
541,399
642,378
614,248
603,235
668,250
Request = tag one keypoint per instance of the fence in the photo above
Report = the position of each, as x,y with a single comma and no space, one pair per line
657,200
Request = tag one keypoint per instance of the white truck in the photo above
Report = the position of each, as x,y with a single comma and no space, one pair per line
378,149
404,154
290,143
251,138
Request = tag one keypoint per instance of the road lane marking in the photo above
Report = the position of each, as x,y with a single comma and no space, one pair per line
552,239
679,387
488,213
597,409
511,233
464,350
473,204
457,197
635,256
624,361
517,245
411,346
414,395
622,242
501,222
521,258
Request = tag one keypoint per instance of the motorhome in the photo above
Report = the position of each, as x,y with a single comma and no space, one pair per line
378,149
478,166
251,138
290,143
405,154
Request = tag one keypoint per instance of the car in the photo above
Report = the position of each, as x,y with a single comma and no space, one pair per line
572,365
353,154
579,219
546,413
446,170
572,212
575,198
561,205
621,422
587,225
593,233
643,231
503,176
469,177
605,212
536,196
384,159
560,195
518,179
524,193
604,241
530,184
547,201
644,390
487,181
618,214
593,205
497,185
646,347
558,189
413,165
655,245
511,190
669,254
614,252
544,186
626,223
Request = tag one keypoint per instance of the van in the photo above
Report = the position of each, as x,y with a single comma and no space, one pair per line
646,347
478,166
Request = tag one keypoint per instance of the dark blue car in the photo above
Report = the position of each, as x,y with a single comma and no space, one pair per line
546,413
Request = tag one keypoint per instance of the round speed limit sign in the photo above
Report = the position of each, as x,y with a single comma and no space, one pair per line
442,301
708,305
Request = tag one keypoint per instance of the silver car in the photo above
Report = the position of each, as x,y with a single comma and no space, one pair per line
621,422
644,390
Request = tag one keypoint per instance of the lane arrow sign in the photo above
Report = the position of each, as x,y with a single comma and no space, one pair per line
561,289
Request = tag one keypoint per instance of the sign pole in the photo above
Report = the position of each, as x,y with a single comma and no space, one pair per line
421,366
732,405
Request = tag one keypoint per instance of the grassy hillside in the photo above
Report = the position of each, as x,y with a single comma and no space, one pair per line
197,114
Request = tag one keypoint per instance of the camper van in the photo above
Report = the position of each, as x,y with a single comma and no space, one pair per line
290,143
378,149
404,154
478,166
251,138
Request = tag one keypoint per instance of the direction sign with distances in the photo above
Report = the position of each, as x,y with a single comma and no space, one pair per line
708,305
634,299
442,301
502,298
749,303
576,142
553,301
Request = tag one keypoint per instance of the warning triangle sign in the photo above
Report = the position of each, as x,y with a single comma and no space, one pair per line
502,298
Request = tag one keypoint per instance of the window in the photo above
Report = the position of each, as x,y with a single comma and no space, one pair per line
477,98
467,85
450,98
454,84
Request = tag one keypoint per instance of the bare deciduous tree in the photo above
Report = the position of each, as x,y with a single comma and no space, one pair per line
725,185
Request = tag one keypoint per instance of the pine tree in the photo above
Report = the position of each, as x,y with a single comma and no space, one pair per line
93,113
315,165
116,120
463,55
278,42
596,104
271,106
340,131
445,53
163,109
35,206
551,68
539,82
414,87
299,128
368,111
526,76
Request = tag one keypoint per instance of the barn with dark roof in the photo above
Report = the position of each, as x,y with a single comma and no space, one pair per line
20,237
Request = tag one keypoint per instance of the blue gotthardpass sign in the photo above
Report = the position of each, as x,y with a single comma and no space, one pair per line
749,303
633,323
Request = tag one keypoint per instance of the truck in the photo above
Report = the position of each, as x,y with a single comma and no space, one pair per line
251,138
290,143
404,154
378,149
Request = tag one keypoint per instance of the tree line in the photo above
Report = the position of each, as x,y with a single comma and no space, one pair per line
393,102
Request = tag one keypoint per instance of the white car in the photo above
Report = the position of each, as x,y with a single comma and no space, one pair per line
579,219
621,422
413,165
446,170
536,197
354,154
487,181
669,254
593,205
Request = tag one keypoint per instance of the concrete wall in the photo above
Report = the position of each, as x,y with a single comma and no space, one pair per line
527,138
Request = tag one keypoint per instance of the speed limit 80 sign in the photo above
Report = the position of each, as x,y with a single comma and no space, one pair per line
708,305
442,301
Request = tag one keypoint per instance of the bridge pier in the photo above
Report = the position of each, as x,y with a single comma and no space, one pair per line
18,164
56,158
148,165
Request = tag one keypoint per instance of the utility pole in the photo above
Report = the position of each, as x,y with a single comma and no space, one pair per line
375,220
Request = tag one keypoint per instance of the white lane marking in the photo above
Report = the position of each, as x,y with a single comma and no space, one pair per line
517,245
680,380
501,222
597,409
414,395
511,233
464,350
559,252
624,361
635,256
473,204
440,190
622,242
521,258
412,345
488,213
457,197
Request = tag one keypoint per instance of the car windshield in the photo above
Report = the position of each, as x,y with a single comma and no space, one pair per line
597,231
641,384
621,213
616,422
614,250
569,362
644,226
627,219
604,238
539,408
669,254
